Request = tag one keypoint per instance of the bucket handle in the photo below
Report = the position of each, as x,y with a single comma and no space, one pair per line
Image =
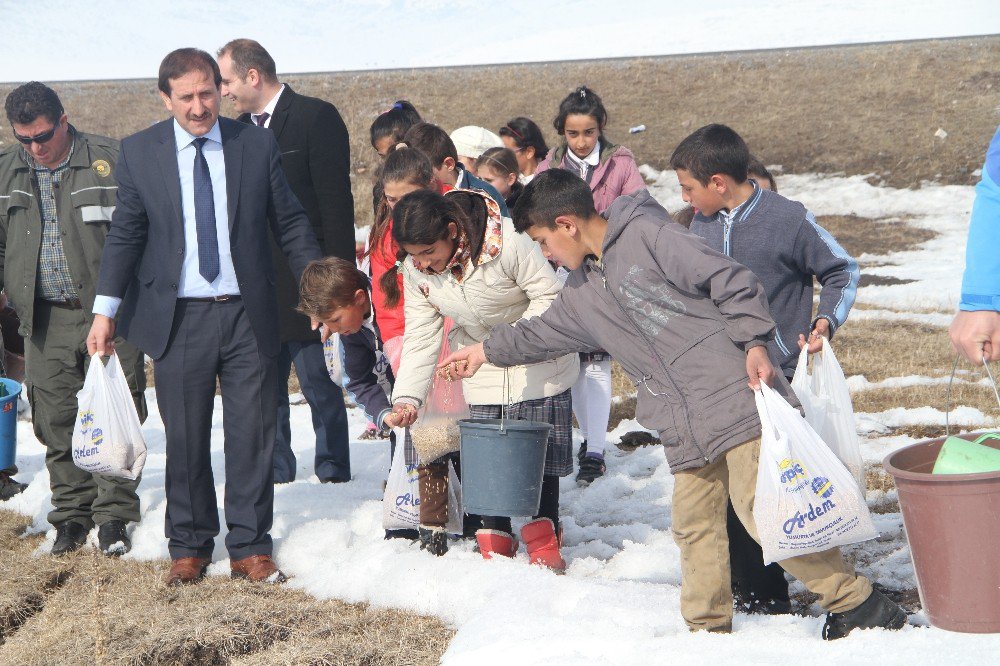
951,381
506,400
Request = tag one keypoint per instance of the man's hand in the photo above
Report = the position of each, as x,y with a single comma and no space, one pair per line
975,334
815,341
324,332
402,415
102,336
463,363
759,367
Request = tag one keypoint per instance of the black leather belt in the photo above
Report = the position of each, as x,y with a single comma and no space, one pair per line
68,304
211,299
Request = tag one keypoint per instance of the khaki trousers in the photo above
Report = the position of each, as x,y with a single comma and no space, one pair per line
56,360
699,527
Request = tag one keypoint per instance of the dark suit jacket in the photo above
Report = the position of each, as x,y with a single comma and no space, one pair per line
316,156
144,249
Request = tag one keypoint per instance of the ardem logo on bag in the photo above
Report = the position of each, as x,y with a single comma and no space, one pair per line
822,487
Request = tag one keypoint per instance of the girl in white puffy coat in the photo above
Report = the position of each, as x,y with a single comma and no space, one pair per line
461,259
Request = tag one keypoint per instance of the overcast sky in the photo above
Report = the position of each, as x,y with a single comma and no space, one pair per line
102,39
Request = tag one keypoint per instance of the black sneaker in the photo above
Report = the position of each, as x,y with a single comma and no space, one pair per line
112,538
9,487
433,540
582,452
876,611
410,535
70,536
591,468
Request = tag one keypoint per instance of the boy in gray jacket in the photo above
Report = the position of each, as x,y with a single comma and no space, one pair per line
689,326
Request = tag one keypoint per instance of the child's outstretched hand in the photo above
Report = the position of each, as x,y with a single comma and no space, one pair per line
759,367
815,341
402,415
463,363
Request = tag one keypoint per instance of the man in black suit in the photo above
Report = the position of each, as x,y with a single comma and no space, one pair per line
187,271
316,158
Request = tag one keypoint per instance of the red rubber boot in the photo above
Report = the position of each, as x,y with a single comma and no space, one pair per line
542,544
495,542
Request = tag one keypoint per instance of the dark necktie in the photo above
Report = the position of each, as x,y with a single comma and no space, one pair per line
262,118
204,215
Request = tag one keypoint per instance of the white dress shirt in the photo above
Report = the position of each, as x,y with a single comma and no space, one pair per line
269,109
192,284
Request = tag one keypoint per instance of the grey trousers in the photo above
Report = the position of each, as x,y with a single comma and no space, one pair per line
213,344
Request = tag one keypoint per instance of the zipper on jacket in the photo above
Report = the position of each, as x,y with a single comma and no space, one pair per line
727,228
659,359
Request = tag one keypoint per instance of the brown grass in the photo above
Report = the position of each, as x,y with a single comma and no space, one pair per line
853,109
88,609
862,235
881,349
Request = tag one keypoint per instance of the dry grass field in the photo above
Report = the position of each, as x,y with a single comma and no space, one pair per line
85,609
859,110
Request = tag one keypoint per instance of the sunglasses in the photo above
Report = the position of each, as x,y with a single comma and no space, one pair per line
38,138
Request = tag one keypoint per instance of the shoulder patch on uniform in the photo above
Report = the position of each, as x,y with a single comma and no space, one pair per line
101,168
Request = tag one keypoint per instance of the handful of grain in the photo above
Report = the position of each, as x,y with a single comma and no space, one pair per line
435,438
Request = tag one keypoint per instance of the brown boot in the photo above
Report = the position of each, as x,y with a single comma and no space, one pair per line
186,570
257,568
433,484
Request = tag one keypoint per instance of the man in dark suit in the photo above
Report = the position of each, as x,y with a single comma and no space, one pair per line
187,270
316,158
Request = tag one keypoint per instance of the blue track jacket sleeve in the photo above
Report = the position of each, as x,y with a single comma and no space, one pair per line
361,366
981,280
818,253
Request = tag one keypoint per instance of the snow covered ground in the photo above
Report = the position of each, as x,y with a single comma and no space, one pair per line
324,35
619,600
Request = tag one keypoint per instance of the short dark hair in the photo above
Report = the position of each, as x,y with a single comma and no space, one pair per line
582,101
550,194
710,150
525,133
327,284
181,61
28,102
394,122
756,168
248,54
432,141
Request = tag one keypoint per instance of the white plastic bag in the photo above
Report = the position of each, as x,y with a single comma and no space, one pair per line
107,437
331,354
401,501
456,518
806,500
827,402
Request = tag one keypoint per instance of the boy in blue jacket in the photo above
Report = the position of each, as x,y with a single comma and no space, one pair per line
781,242
776,238
975,332
689,326
335,294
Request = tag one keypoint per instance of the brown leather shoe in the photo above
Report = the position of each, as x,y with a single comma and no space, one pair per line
258,568
186,570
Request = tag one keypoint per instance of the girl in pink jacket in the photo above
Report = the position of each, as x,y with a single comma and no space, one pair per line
611,172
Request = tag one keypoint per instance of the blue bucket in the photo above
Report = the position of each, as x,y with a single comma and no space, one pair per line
8,421
502,468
